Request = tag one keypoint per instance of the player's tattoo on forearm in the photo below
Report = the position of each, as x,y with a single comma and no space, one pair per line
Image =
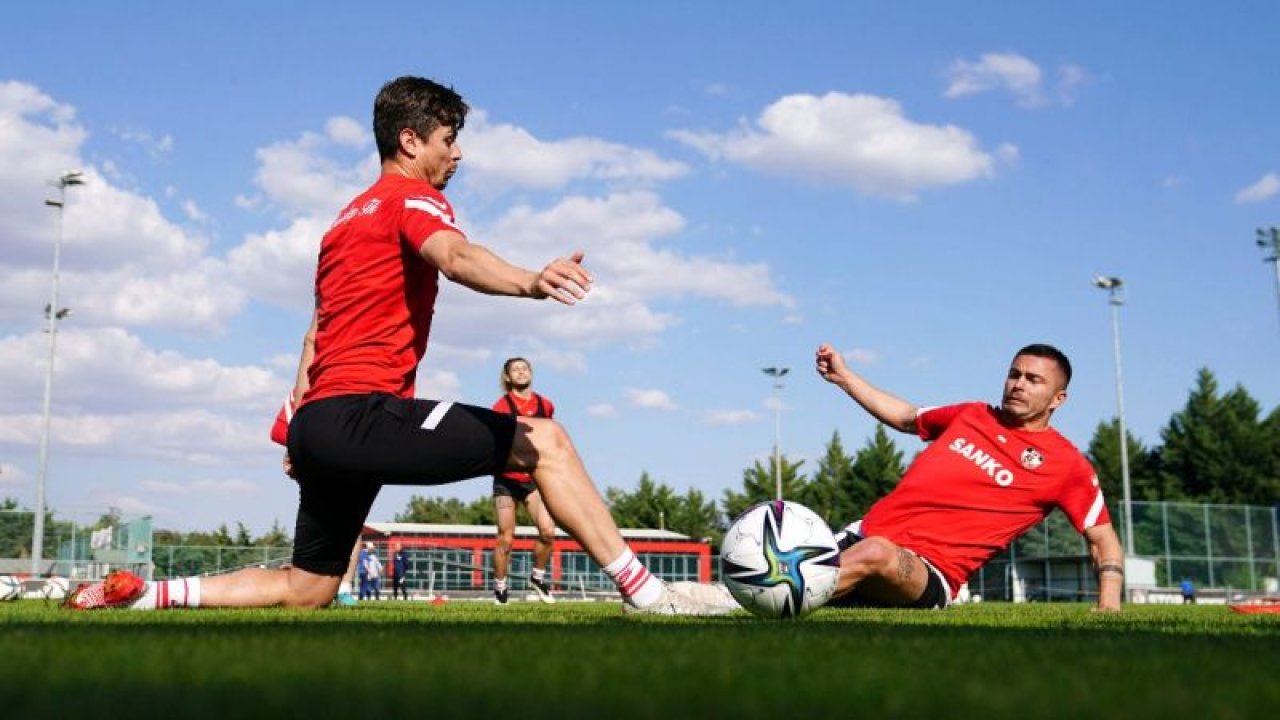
905,566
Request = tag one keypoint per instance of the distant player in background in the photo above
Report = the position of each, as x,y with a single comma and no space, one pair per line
373,571
990,474
362,571
399,568
519,399
358,424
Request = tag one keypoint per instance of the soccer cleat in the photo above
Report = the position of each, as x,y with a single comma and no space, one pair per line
344,599
672,602
500,597
118,589
543,589
713,594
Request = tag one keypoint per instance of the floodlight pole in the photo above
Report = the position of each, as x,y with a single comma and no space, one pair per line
777,373
1269,241
53,314
1115,290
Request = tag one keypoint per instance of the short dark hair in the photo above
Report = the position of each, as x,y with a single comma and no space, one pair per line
1052,353
506,367
416,103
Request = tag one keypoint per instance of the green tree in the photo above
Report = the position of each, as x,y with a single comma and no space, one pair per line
758,485
831,491
1145,481
649,506
451,511
654,505
697,517
1217,449
877,468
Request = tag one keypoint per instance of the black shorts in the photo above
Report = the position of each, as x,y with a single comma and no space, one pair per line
514,489
344,449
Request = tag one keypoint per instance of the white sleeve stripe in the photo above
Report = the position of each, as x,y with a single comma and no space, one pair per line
1094,511
288,408
436,415
430,208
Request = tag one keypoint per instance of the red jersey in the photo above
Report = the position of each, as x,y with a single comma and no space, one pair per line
375,294
535,406
980,485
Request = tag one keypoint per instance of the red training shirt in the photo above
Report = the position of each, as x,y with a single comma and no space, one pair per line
980,485
375,294
524,408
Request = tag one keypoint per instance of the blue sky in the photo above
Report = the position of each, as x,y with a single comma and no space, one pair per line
927,188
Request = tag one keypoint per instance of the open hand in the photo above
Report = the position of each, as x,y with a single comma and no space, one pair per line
565,280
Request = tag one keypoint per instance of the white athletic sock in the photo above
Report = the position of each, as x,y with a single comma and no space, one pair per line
165,594
539,574
499,584
634,581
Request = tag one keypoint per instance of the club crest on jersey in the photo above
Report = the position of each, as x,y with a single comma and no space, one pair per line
1031,459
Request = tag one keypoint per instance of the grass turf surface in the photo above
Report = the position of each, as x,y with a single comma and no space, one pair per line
475,660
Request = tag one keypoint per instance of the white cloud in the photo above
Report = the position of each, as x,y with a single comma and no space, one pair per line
601,410
1009,71
156,147
863,356
859,141
1266,187
730,417
103,370
12,475
498,156
346,131
301,179
1017,75
650,399
193,211
227,487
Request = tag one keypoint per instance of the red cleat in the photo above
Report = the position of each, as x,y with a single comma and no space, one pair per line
118,589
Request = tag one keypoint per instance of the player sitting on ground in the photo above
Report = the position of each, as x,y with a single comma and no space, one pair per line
358,425
989,475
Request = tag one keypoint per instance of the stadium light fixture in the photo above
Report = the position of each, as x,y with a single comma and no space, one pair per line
1269,241
1115,291
777,373
53,314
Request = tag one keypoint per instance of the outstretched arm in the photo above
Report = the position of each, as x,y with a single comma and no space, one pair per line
1108,561
888,409
477,267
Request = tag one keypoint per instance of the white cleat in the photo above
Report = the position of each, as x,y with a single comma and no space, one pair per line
714,594
677,603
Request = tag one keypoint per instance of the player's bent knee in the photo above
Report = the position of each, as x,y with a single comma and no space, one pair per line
875,553
308,591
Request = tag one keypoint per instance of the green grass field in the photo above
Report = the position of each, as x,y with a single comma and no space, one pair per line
474,660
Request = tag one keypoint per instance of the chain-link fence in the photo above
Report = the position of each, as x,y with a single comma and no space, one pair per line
172,561
1225,547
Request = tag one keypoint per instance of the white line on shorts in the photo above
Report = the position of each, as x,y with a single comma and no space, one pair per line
436,415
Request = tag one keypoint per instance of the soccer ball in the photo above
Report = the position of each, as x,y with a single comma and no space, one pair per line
10,588
780,560
55,588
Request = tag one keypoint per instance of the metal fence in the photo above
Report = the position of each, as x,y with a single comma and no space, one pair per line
172,561
1223,547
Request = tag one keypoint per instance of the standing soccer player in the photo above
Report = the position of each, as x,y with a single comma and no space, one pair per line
519,400
358,425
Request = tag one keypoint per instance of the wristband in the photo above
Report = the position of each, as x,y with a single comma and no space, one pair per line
1112,568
